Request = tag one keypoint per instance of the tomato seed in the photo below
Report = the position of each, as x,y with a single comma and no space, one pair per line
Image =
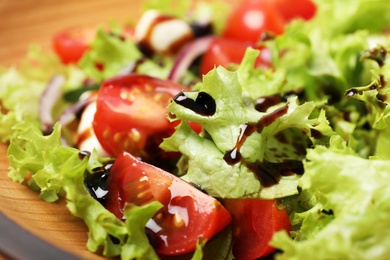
178,220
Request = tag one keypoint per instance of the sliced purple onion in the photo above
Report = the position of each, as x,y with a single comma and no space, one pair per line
187,55
72,111
47,101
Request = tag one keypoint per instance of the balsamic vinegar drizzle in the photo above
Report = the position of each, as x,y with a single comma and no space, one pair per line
268,173
263,103
96,183
204,104
379,56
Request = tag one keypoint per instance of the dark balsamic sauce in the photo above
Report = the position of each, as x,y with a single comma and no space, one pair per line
96,183
380,97
201,29
268,173
204,104
263,103
377,54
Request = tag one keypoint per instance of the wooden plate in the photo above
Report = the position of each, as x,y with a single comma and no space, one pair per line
29,227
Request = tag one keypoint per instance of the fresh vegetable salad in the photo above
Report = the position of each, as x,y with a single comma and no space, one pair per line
208,131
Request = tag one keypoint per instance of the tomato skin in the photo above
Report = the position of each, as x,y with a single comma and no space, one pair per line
254,223
224,51
187,213
130,109
70,45
250,19
290,10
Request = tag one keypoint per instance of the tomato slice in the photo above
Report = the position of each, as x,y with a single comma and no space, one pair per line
254,223
224,51
187,213
290,10
131,113
70,45
252,18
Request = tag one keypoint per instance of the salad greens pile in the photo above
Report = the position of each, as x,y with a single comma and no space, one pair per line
334,72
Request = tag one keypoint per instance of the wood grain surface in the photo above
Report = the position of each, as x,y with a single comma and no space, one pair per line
26,22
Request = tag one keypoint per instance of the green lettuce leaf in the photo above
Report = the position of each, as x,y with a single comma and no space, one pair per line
204,154
136,219
349,219
57,171
108,55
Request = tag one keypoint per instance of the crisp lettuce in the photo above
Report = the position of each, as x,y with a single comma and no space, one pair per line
356,191
204,154
338,112
110,55
56,171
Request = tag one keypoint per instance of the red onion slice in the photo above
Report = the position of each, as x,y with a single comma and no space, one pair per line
47,101
187,55
71,112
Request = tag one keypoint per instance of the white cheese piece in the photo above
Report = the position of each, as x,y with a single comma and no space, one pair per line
87,140
161,33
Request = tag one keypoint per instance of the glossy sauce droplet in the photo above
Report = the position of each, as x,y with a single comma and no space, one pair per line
268,173
270,118
352,92
263,103
234,156
377,54
204,104
96,183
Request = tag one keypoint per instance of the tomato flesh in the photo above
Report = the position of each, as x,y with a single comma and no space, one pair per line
254,223
187,213
252,18
70,45
224,51
290,10
131,113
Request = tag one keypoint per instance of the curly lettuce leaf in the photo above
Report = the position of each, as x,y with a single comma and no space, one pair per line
21,88
140,247
56,171
205,154
349,219
108,55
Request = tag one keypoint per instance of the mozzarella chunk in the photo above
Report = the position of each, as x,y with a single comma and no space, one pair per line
162,34
86,138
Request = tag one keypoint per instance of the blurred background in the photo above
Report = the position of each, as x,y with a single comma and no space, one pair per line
23,22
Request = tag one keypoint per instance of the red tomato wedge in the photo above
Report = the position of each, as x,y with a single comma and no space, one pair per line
70,45
251,19
290,10
254,223
224,51
131,113
187,213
